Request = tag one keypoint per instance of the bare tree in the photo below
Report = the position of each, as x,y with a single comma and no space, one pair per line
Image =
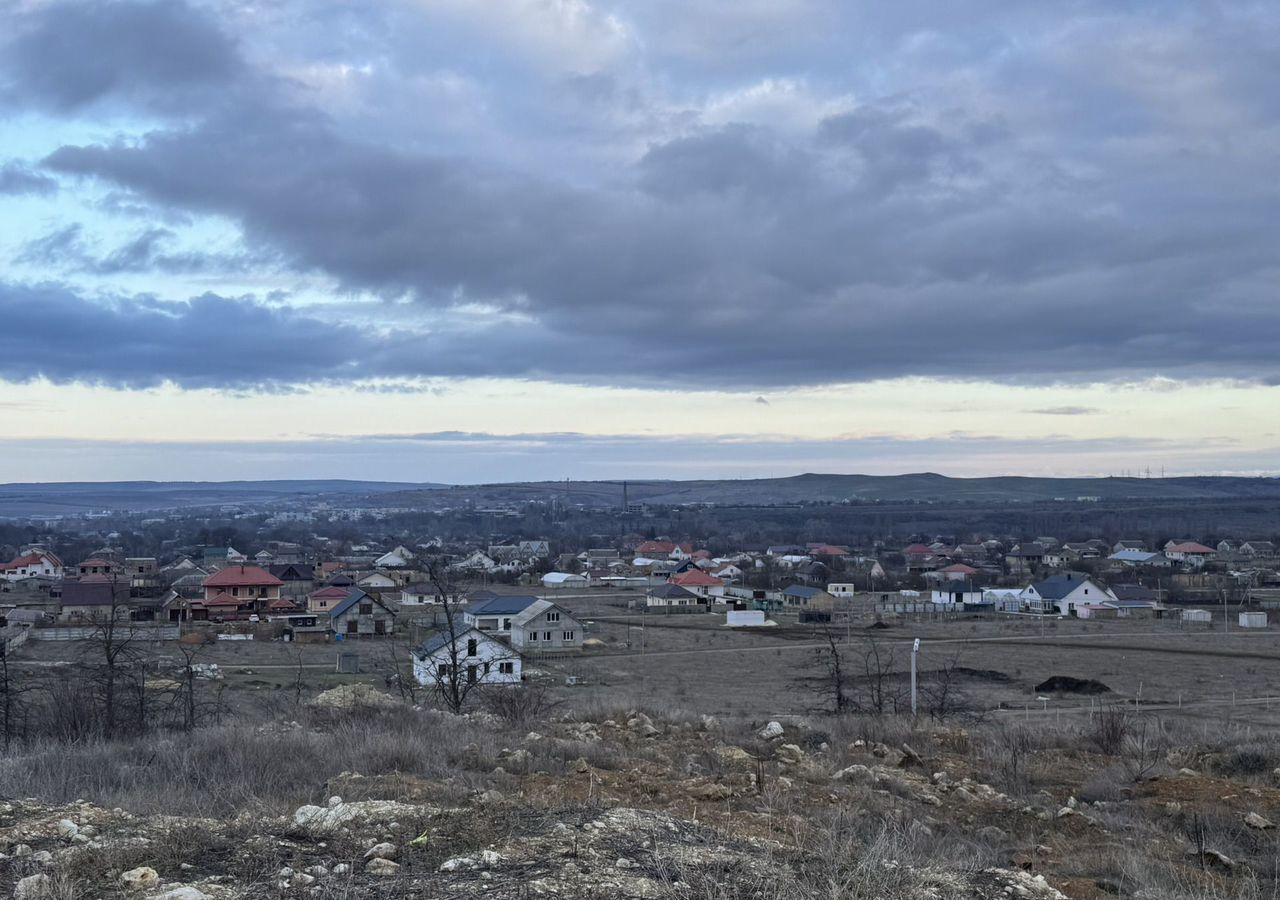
457,676
834,678
13,691
111,656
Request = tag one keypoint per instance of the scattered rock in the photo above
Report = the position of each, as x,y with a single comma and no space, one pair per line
33,887
68,829
352,696
712,791
183,892
910,758
379,866
140,878
383,850
771,731
1253,820
1188,773
789,754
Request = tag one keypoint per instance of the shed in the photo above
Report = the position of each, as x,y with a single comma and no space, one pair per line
745,618
1253,620
1199,616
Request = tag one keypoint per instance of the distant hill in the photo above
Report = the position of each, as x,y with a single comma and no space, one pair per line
71,497
923,487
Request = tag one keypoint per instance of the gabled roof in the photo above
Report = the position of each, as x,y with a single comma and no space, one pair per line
696,578
502,606
960,569
670,591
801,590
357,596
240,576
533,610
1190,547
460,632
1059,586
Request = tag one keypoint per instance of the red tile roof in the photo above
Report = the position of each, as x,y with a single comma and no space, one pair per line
32,559
239,576
962,569
225,599
695,578
1191,547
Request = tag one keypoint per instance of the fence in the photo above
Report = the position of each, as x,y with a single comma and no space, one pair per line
14,637
133,631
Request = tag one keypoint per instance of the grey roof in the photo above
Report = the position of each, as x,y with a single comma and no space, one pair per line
1059,586
354,597
442,638
671,592
800,590
532,611
502,606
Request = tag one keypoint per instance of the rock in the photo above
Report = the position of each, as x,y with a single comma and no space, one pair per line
140,878
182,892
490,857
317,871
1066,811
318,820
910,758
302,879
1213,858
623,863
383,850
993,835
517,759
341,869
711,792
733,756
353,696
1173,808
1188,773
42,857
643,726
580,766
457,864
856,774
790,754
941,779
1253,820
490,797
770,731
68,829
383,867
710,723
22,850
33,887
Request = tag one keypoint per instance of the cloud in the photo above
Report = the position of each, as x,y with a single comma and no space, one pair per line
134,342
67,248
1065,411
66,56
994,212
17,179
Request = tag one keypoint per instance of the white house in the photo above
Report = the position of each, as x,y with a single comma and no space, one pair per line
377,581
496,615
36,562
424,593
484,659
545,626
476,562
1061,594
394,559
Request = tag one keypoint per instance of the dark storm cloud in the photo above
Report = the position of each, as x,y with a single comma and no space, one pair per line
17,179
68,55
209,341
919,234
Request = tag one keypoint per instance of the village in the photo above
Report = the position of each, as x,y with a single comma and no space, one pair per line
481,614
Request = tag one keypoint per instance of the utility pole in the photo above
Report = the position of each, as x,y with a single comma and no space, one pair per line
915,650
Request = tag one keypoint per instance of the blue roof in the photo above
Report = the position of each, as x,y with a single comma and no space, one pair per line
441,638
1059,586
502,606
800,590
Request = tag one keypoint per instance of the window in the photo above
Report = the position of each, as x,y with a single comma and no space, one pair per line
506,624
486,668
506,668
380,626
546,635
366,609
352,626
568,635
533,635
471,647
471,674
553,617
442,672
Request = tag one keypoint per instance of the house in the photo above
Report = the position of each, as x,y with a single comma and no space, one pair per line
1189,552
377,581
1060,557
1062,593
699,582
954,572
726,571
563,580
395,559
1140,558
362,615
1128,545
297,580
1258,549
94,598
962,594
535,549
484,659
477,561
35,562
543,626
143,572
241,590
323,600
1022,559
803,596
496,615
96,566
672,595
424,593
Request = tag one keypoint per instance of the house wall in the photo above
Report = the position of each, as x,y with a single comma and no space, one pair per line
490,653
366,624
564,625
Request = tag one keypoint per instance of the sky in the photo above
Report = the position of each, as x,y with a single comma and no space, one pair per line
440,240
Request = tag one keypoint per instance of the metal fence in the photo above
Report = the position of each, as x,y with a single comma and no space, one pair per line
133,631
